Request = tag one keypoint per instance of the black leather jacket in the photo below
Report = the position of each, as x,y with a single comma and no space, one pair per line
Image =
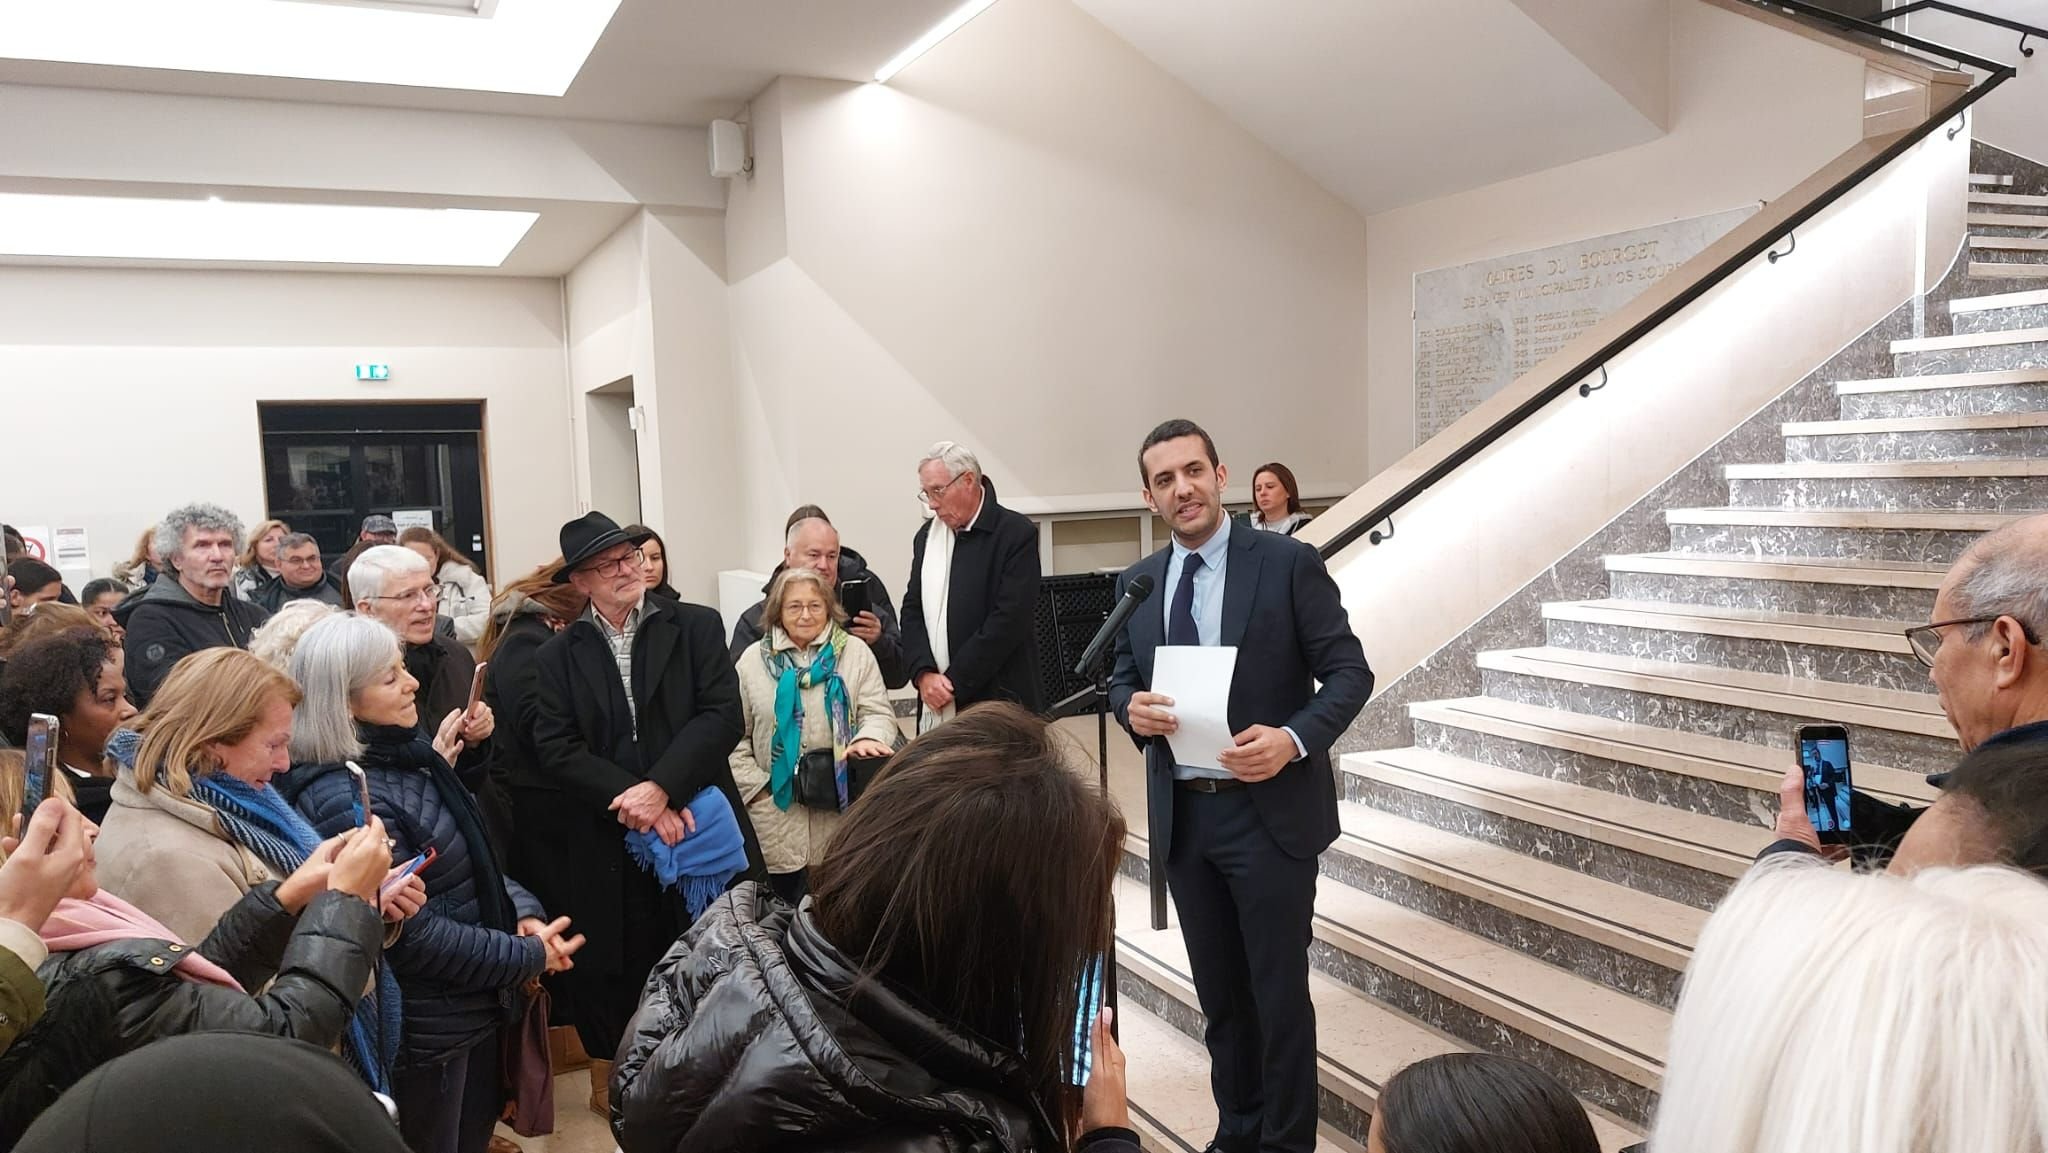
316,966
750,1036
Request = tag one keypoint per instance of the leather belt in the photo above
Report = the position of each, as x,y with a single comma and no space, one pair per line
1208,784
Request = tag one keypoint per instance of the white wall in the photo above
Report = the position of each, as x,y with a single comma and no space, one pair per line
129,392
1753,111
1036,242
2015,117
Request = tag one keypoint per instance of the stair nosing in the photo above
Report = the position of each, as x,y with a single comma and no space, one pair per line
2011,243
2013,199
2008,270
1979,422
1748,624
1796,569
1946,520
2001,299
1889,469
1971,340
1942,380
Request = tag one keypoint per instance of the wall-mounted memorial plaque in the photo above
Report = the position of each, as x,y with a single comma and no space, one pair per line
1479,326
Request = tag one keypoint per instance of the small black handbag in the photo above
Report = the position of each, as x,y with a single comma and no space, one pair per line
817,783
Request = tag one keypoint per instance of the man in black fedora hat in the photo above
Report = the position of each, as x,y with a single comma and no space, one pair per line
636,708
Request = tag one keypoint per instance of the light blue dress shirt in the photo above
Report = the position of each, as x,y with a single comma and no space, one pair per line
1208,613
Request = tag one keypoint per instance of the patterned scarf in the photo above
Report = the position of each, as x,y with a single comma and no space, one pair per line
259,820
790,683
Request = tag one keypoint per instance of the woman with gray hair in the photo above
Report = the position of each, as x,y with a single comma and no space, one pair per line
481,938
816,704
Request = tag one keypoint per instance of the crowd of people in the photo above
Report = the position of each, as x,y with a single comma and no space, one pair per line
333,837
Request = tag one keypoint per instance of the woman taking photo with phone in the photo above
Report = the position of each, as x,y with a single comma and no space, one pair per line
945,942
464,958
75,676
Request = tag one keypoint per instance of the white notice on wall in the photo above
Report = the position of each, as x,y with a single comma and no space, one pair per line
37,538
71,549
406,518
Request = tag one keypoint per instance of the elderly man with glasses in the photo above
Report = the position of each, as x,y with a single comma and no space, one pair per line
1983,648
396,586
635,711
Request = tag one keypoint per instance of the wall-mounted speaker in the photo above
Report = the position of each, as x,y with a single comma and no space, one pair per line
729,149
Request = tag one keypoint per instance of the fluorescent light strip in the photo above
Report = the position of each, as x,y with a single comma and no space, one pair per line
526,46
123,228
930,40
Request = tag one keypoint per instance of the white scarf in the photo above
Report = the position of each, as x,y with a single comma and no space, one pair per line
937,581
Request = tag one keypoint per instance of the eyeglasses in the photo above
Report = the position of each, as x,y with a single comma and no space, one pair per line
617,564
805,610
1925,640
930,496
429,593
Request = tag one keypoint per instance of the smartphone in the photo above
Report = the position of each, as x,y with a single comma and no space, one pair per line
476,689
853,594
361,804
1824,764
39,753
1085,1013
419,862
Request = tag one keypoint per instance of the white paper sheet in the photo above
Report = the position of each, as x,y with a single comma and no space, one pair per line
1197,678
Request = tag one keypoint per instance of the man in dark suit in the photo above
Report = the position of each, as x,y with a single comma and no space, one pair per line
635,710
1238,845
967,615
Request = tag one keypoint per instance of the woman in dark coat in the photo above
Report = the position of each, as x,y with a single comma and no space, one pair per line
289,959
463,960
525,616
925,998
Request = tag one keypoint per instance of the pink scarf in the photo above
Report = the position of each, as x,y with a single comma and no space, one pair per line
80,924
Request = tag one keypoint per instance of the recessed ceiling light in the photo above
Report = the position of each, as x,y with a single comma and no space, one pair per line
526,46
127,228
925,43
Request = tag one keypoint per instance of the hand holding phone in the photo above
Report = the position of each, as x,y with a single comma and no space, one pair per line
476,689
853,596
361,804
1825,782
40,752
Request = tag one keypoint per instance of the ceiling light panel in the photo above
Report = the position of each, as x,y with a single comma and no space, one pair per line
526,46
125,228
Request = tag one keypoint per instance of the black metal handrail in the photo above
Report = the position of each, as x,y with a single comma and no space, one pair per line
2025,30
1997,73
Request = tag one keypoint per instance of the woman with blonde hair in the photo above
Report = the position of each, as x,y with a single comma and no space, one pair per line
258,565
1834,1012
274,641
140,570
465,596
195,824
815,701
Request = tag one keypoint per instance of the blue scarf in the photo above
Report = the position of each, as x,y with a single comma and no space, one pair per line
261,822
790,683
702,864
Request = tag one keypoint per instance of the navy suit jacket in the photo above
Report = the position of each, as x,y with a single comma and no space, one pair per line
1283,612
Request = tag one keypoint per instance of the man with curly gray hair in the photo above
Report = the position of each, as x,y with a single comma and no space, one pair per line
194,609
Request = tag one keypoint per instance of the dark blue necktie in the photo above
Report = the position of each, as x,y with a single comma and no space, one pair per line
1180,620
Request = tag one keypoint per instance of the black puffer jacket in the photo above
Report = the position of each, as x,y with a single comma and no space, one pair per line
315,966
458,962
165,624
750,1036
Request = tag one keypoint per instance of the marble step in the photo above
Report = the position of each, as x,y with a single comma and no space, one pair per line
1167,1081
1392,986
1700,774
2007,348
1944,394
1997,434
2009,199
2006,270
1894,590
1999,312
1860,534
1987,179
1686,857
2017,485
2023,220
1886,726
1819,646
2011,243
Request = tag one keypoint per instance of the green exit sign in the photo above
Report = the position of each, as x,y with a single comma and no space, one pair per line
373,372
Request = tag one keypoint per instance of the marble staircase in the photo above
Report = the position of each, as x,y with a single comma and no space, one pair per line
1528,872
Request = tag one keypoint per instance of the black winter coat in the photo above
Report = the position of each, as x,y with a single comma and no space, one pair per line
165,624
751,1036
888,649
509,685
316,966
458,962
991,610
273,594
590,750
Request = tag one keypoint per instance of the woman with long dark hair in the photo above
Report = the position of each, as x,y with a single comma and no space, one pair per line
654,561
950,925
1276,500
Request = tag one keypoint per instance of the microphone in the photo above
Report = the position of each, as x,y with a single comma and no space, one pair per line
1135,594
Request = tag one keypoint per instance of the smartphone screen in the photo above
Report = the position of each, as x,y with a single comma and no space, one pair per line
1089,1008
362,802
853,594
1824,762
39,752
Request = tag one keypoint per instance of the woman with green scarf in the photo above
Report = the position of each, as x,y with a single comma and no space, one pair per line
814,699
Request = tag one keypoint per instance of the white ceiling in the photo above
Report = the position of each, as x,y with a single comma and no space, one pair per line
660,62
1395,101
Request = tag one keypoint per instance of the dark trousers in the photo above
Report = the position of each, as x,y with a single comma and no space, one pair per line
453,1106
1245,908
602,1003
